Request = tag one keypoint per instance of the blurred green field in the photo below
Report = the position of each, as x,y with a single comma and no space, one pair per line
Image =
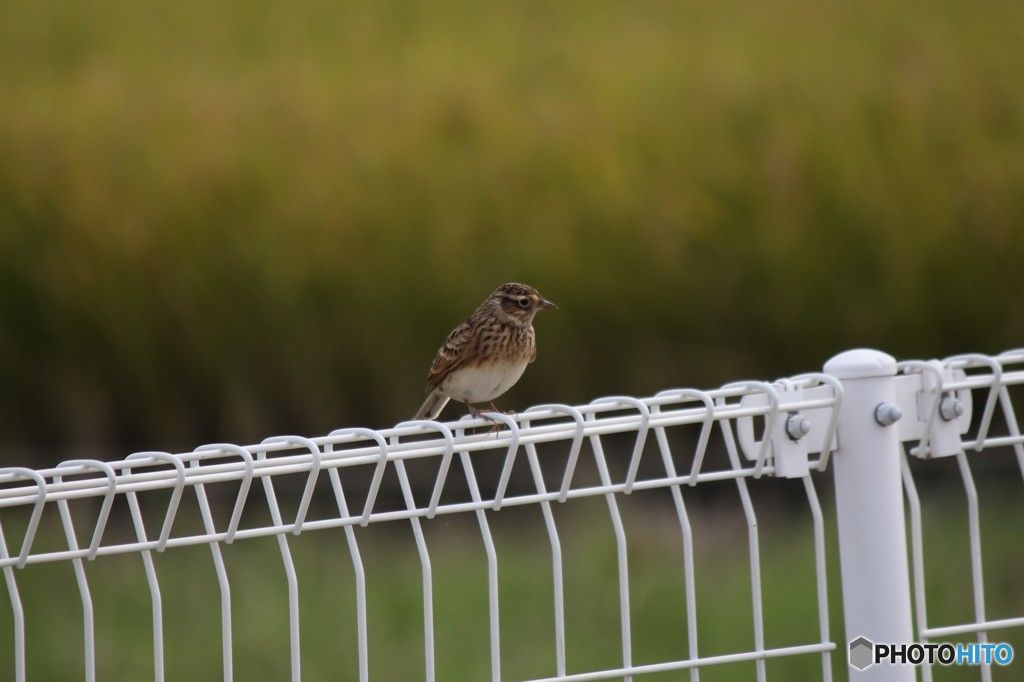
394,595
227,220
221,221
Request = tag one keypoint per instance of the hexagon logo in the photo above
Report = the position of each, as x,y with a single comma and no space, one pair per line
861,653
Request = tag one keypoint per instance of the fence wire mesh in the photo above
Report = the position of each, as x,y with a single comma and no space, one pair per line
647,538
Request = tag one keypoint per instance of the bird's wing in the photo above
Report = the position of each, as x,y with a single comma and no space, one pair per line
453,352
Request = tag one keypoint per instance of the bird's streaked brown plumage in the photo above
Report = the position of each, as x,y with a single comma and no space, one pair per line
485,355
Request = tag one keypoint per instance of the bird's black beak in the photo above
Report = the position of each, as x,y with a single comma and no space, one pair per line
548,304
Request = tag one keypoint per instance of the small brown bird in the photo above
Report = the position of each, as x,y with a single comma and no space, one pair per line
485,355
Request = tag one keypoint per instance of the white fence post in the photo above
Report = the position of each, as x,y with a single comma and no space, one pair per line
869,510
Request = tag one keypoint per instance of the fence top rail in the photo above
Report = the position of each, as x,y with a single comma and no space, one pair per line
221,462
214,463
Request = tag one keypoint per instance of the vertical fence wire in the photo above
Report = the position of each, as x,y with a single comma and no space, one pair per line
18,612
685,528
492,567
558,592
754,545
821,575
428,580
291,577
974,534
223,584
362,639
622,554
916,555
17,608
156,600
88,621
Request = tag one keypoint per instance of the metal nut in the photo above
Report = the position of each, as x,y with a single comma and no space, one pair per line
797,426
887,414
950,408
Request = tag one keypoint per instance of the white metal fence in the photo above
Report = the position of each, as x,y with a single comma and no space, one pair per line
619,450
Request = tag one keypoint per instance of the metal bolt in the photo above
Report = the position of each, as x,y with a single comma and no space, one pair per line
950,408
797,427
887,414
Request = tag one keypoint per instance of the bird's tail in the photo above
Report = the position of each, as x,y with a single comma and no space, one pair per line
432,406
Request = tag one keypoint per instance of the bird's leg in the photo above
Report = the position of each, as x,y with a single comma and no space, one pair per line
497,424
494,408
480,415
511,413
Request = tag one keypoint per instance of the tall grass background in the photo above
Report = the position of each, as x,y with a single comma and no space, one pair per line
224,220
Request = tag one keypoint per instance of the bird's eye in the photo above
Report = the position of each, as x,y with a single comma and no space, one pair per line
524,302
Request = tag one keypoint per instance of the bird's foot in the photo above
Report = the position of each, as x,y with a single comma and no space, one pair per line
480,414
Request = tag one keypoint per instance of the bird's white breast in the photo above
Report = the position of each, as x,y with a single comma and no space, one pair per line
482,382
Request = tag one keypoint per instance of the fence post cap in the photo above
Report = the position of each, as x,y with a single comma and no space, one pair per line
861,363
